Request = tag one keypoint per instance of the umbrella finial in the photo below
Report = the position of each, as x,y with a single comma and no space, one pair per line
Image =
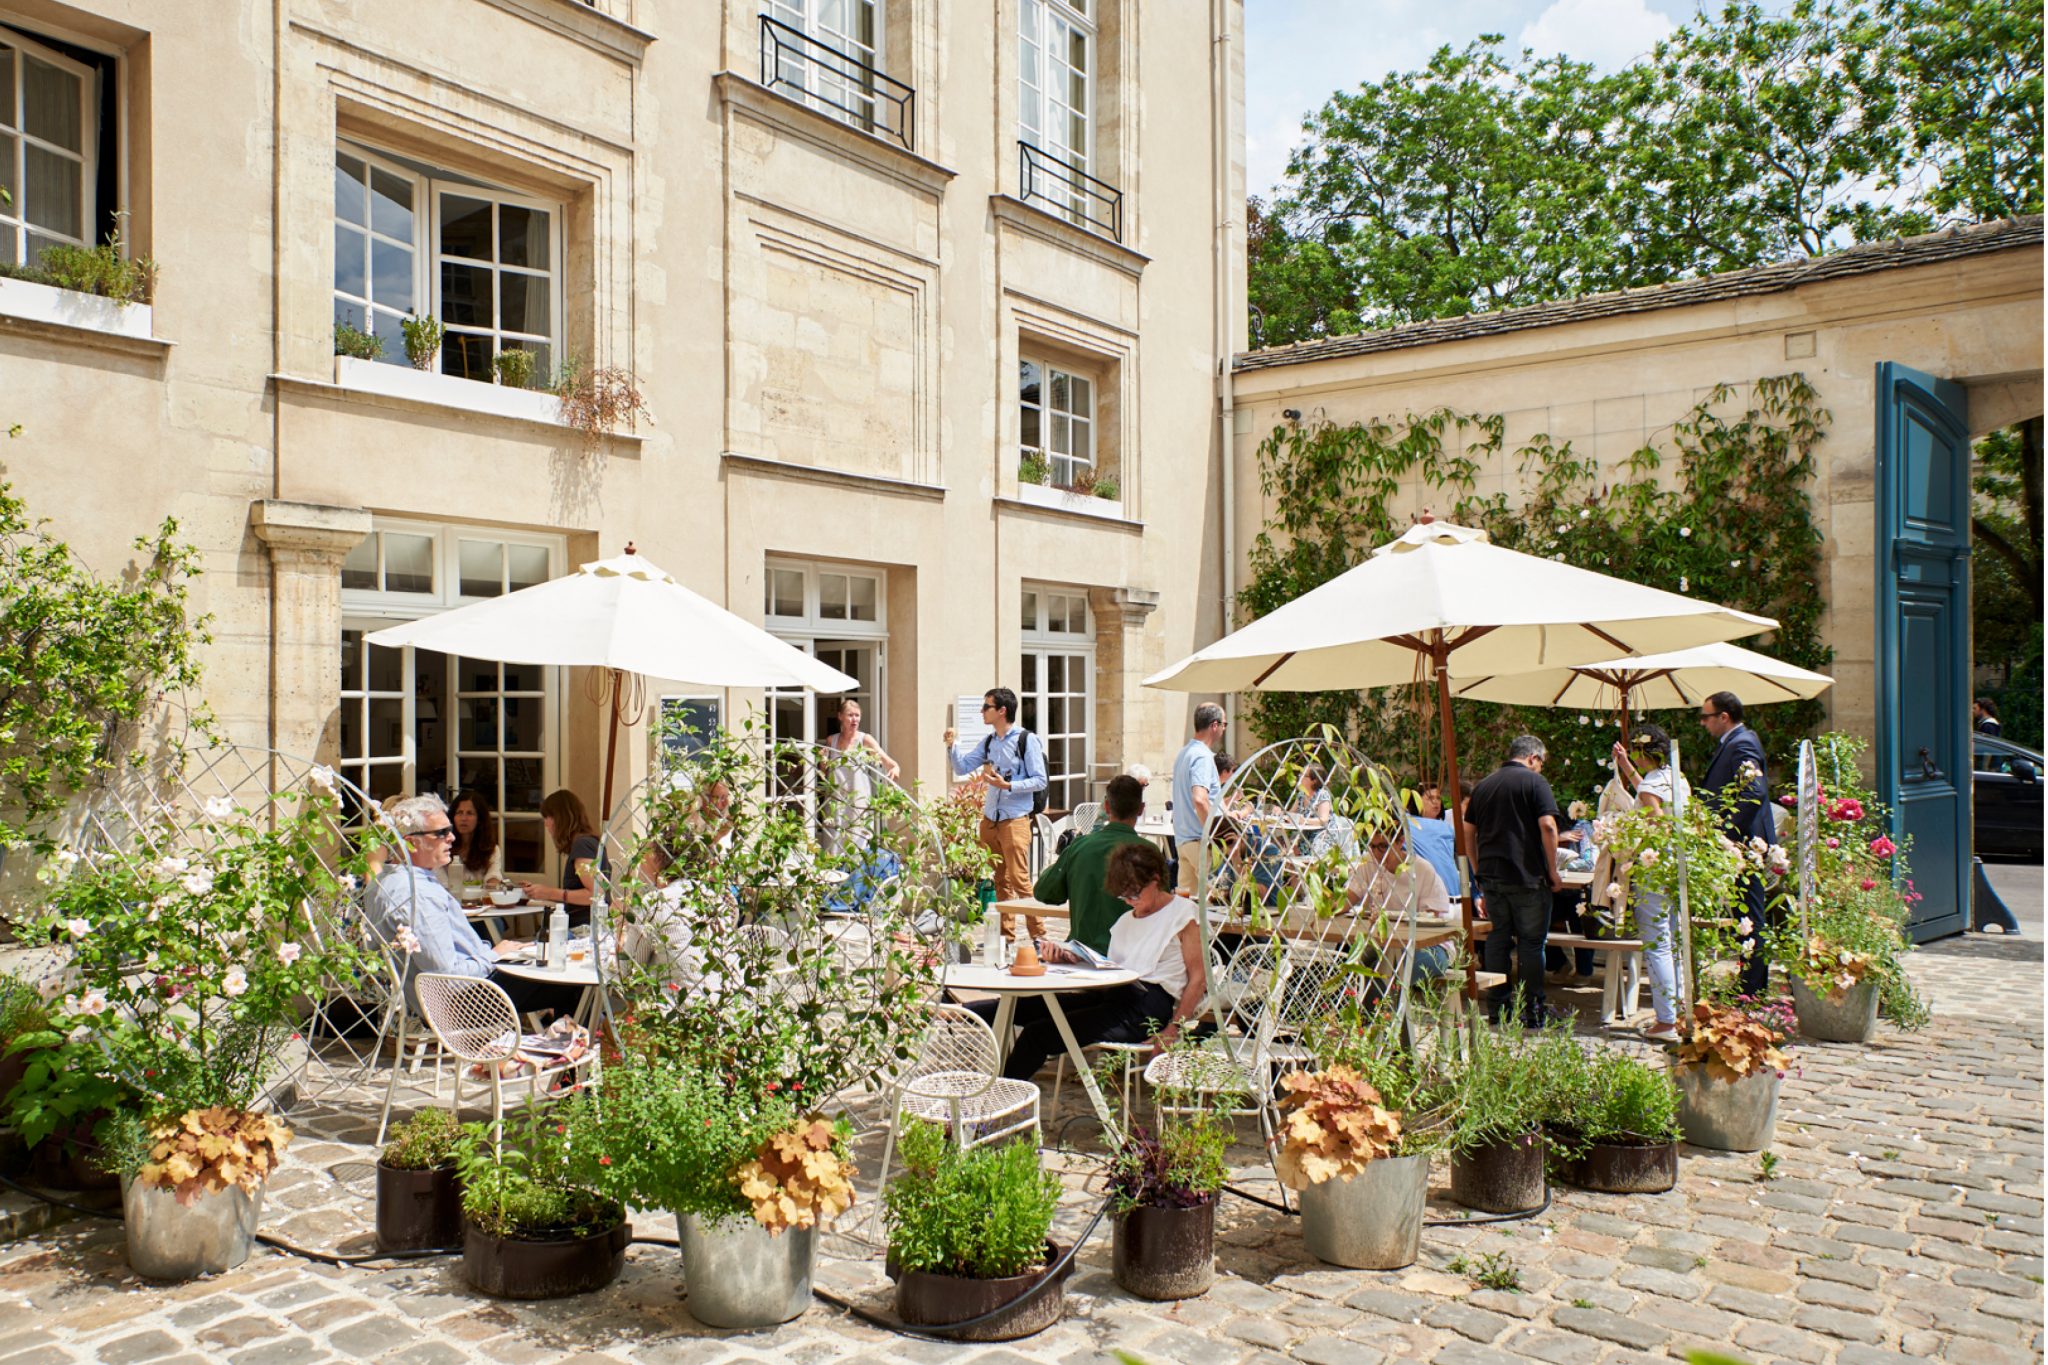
629,548
1425,517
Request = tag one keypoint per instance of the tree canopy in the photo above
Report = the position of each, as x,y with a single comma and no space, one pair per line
1491,179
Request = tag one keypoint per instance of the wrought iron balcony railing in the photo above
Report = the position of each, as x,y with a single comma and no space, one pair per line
835,84
1063,188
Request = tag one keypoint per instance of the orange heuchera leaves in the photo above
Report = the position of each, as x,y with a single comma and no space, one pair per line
1833,970
798,1179
1332,1125
207,1150
1730,1043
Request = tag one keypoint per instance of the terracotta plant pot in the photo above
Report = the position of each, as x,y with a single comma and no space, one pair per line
1501,1177
511,1268
1630,1165
1850,1017
1166,1253
924,1299
418,1210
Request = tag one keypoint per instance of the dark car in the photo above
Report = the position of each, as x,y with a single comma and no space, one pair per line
2006,786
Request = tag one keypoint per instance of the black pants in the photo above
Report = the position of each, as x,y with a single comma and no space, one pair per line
1520,916
1124,1014
1756,968
529,996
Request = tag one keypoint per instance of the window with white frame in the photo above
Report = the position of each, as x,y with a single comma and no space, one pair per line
415,720
851,28
1056,422
485,261
838,614
1056,79
1057,695
54,131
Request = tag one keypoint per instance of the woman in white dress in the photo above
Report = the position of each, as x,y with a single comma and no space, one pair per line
850,773
1657,784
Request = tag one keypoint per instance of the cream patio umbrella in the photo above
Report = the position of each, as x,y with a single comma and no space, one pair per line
1653,682
1445,599
623,615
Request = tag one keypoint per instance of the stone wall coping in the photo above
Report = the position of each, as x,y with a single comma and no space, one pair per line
78,318
801,121
1049,227
583,23
835,478
421,391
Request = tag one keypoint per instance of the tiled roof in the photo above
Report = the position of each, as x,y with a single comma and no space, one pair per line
1949,244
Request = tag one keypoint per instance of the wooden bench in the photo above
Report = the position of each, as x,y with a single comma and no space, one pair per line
1619,958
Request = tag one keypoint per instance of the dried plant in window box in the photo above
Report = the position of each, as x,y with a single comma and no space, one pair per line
600,400
1334,1125
1730,1043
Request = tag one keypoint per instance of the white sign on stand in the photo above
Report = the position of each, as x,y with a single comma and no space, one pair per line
969,726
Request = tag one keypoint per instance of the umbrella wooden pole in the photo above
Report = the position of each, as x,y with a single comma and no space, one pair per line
611,739
1624,715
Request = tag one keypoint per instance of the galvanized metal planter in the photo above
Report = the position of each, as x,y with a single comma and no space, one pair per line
1727,1116
739,1274
172,1241
1501,1177
1372,1221
1161,1253
1849,1018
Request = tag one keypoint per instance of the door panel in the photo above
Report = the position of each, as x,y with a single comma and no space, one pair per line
1923,678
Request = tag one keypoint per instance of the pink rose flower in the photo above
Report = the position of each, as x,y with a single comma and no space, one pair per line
1883,847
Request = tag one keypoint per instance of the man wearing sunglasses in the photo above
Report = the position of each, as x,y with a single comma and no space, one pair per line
1737,769
1014,764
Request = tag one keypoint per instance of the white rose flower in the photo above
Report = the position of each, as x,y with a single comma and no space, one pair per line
1685,532
79,1034
1585,720
288,953
1614,891
235,982
197,882
1684,583
407,939
1649,856
321,777
92,1002
1585,512
219,808
79,928
1745,925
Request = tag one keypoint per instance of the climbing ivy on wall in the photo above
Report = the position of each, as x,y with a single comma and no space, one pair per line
1718,506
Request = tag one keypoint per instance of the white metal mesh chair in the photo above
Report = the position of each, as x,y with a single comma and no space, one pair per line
402,1021
474,1020
1131,1053
1246,990
955,1081
1084,816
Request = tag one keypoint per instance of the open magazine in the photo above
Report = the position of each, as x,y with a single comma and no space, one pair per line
1084,956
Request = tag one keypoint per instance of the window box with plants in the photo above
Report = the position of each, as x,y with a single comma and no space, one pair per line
969,1236
419,1199
96,289
1617,1130
1164,1182
1088,494
533,1225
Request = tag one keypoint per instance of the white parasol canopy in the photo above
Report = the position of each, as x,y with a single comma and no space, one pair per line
1655,681
1445,590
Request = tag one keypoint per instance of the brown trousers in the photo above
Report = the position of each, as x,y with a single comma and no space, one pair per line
1010,841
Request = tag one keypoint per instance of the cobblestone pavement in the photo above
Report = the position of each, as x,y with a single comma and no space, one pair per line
1904,1225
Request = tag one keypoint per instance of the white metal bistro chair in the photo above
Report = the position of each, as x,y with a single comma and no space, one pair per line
1245,992
1084,816
474,1020
401,1023
955,1081
1131,1053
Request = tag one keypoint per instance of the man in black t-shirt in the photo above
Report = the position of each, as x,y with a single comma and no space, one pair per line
1511,828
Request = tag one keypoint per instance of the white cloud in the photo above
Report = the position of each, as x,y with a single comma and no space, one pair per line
1608,33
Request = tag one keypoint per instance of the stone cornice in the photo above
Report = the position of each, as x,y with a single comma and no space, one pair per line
806,124
308,528
1047,227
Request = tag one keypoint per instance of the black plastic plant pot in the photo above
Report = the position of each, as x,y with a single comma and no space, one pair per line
418,1210
1627,1164
1166,1253
1501,1177
512,1268
927,1300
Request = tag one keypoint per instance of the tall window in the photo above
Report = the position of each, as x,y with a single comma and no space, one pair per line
485,261
1056,421
49,144
1057,695
1055,78
839,615
852,28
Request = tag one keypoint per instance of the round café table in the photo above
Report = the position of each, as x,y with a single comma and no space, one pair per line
584,974
1058,977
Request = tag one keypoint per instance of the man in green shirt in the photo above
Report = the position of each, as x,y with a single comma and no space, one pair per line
1076,880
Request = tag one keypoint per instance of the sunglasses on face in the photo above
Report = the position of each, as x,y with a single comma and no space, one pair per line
444,832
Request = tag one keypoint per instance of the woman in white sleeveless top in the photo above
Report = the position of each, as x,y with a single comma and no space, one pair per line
850,775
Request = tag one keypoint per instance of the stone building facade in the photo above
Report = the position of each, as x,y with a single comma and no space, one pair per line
1609,373
863,259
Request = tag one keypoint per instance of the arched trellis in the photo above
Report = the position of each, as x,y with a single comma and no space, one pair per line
173,808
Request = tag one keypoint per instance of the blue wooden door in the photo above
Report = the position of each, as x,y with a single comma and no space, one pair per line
1923,635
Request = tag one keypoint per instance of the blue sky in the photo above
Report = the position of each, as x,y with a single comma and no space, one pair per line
1299,52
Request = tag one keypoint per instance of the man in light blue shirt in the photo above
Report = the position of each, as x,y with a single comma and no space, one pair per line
1197,791
1013,760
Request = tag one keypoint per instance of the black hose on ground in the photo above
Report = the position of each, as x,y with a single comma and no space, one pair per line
1473,1221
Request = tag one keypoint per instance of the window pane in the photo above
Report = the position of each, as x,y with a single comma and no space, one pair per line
50,104
391,274
524,303
785,592
466,355
391,204
1028,434
466,295
6,86
527,564
359,570
1030,609
385,326
349,174
1083,444
1061,400
476,675
1060,440
466,227
522,839
408,563
1028,382
522,678
522,725
53,193
1030,674
863,608
10,206
350,269
523,237
832,596
352,731
1083,396
1056,673
387,669
483,568
477,727
1056,715
351,662
387,725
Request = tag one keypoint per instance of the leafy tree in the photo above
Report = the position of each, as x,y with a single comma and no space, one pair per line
1969,73
2005,574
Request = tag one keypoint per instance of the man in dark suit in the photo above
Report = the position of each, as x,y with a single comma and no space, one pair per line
1737,769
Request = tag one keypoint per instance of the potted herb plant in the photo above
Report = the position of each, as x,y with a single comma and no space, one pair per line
419,1201
533,1227
969,1235
1728,1068
1502,1078
1361,1201
1164,1182
1617,1132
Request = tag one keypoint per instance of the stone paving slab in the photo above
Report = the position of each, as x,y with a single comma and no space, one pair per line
1905,1224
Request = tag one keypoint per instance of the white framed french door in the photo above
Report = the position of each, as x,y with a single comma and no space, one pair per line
1056,691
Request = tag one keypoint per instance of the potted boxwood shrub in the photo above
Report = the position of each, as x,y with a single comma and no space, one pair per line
419,1200
969,1236
532,1227
1163,1183
1502,1078
1617,1130
1728,1068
